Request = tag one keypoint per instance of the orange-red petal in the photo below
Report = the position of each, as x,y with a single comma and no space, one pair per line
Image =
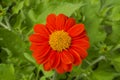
40,28
82,52
77,58
60,21
50,22
47,66
54,59
57,60
51,19
76,30
41,54
42,51
81,43
50,28
67,67
69,23
37,38
40,59
35,47
66,57
60,70
83,35
64,68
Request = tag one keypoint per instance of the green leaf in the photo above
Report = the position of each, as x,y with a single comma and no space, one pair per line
18,21
116,63
93,23
115,16
18,7
11,41
103,75
48,74
6,2
104,72
3,55
32,16
27,2
112,2
65,8
115,36
29,58
7,72
43,78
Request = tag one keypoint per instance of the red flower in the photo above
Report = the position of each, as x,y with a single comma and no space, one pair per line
59,44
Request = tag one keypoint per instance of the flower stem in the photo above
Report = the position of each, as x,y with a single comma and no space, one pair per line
55,76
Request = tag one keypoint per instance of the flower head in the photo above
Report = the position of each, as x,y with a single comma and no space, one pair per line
59,44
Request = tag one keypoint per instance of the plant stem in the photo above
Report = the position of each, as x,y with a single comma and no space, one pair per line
38,69
3,25
90,64
7,23
97,60
55,76
37,76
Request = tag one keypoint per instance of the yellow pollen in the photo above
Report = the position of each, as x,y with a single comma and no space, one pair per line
59,40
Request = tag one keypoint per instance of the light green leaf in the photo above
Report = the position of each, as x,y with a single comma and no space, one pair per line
29,57
103,75
65,8
116,63
48,74
7,72
32,16
115,16
18,7
92,23
27,2
43,78
115,35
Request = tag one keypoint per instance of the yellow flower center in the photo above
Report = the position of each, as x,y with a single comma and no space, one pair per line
59,40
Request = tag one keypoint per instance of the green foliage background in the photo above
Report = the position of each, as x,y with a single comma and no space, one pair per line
102,22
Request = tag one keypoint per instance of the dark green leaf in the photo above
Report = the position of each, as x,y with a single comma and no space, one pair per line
11,41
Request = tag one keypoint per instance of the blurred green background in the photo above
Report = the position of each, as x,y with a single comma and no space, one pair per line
102,22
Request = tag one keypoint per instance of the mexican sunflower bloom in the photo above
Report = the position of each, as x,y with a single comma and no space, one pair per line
59,44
